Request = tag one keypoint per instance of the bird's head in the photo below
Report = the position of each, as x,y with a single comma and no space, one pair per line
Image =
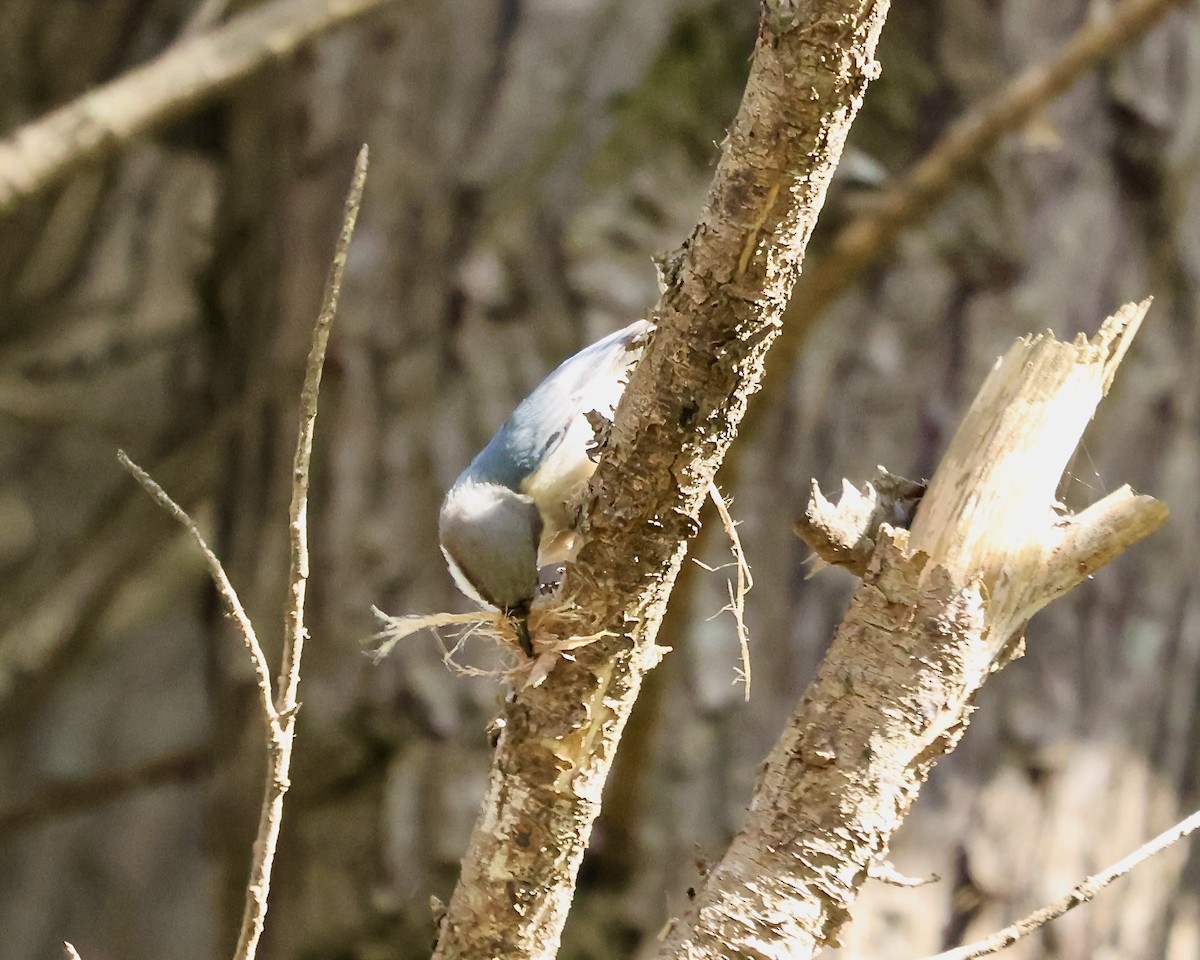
489,535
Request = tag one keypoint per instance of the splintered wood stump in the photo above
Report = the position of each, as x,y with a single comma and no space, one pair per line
940,608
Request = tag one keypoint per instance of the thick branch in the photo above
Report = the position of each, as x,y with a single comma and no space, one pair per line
990,511
925,629
192,71
725,293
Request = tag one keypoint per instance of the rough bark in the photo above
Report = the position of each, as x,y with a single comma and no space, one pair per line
725,293
937,613
528,160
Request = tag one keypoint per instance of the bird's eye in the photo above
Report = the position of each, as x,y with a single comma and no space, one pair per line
551,442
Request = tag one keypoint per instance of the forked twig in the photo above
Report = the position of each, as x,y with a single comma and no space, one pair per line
220,580
744,581
279,707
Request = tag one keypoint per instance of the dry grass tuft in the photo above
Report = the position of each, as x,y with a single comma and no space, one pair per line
557,627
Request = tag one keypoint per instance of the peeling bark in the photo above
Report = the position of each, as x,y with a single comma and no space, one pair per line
845,535
725,294
937,613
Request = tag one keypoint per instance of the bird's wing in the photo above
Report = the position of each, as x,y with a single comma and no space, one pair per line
549,424
592,380
595,377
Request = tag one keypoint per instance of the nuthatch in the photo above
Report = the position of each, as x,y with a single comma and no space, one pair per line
514,509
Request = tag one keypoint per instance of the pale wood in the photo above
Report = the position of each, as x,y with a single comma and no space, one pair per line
938,612
989,512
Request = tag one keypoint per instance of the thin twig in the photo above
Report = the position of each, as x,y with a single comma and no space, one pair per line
62,799
1081,893
219,578
309,393
187,74
279,760
966,142
744,581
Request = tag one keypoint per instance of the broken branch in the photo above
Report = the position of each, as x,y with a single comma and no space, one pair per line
936,609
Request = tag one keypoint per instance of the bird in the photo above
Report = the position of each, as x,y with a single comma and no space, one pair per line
515,507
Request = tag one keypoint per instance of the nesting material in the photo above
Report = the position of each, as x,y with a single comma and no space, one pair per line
557,626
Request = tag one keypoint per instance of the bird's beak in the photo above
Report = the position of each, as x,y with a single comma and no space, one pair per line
521,622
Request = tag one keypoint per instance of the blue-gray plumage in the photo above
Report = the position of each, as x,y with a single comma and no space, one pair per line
514,508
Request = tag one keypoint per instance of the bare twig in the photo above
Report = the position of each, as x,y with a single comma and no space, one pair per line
1081,893
967,141
279,710
62,799
187,74
220,580
743,584
309,394
286,705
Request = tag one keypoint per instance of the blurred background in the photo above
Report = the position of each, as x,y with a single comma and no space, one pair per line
528,159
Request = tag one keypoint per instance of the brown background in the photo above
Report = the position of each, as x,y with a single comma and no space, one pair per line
528,159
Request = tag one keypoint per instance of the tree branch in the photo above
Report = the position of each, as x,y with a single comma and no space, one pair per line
220,580
725,294
935,614
279,710
965,143
279,760
190,72
62,799
1081,893
845,534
